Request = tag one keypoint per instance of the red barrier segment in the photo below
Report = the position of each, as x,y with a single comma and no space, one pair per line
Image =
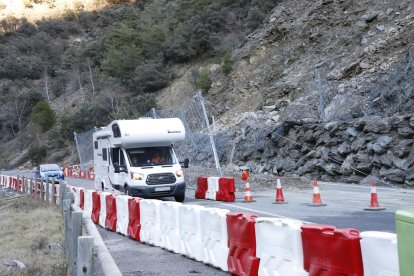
110,220
202,187
134,225
242,258
96,206
226,190
82,199
332,251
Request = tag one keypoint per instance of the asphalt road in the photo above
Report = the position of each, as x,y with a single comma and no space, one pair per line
345,209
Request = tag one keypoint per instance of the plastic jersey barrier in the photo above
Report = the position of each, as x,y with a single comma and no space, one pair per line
102,214
226,190
213,187
202,187
404,224
242,258
82,198
328,250
150,221
111,210
214,237
134,224
379,253
87,210
96,206
122,214
170,234
279,246
190,231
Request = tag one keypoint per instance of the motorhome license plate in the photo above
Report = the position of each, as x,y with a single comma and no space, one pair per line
161,189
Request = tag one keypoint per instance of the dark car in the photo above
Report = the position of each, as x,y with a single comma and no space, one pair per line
49,171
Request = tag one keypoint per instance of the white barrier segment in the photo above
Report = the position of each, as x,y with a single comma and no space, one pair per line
122,214
212,187
190,231
102,214
87,207
28,185
150,221
279,246
214,237
379,253
169,225
57,194
77,197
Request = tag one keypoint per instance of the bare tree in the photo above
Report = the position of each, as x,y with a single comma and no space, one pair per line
46,81
91,76
78,77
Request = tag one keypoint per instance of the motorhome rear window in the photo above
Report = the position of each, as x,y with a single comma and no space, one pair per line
116,131
96,144
104,155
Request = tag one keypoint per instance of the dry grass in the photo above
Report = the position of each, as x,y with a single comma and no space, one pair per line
27,227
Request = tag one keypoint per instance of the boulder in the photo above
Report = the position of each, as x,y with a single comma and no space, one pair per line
395,176
406,131
402,148
377,125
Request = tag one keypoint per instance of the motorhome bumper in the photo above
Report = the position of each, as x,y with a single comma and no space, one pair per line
157,191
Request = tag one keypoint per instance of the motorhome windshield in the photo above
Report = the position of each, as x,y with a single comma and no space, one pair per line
151,156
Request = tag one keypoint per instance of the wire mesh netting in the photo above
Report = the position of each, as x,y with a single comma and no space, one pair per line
84,144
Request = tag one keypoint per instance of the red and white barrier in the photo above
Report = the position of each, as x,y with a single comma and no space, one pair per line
87,210
170,226
279,246
190,231
111,213
134,224
215,188
214,237
373,246
122,214
102,214
150,221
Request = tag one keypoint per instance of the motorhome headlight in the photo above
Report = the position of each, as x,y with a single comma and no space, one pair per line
179,173
137,176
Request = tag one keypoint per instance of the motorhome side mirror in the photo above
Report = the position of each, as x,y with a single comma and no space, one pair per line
184,163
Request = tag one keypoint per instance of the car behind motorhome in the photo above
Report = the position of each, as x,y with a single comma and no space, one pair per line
137,158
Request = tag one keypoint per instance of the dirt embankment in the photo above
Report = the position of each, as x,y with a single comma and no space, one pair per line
31,237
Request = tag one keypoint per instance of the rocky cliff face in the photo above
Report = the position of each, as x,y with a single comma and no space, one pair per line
324,89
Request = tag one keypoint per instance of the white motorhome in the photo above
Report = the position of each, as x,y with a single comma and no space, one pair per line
137,157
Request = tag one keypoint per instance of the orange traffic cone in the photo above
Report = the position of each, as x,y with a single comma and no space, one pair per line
248,196
316,196
374,206
279,193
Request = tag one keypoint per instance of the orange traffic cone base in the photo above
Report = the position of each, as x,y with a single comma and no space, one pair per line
247,200
317,204
279,202
379,208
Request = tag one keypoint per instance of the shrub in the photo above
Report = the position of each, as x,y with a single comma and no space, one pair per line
227,63
43,115
37,154
204,81
148,78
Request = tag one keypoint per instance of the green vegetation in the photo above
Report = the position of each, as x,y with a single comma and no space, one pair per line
37,154
204,81
110,62
43,115
227,63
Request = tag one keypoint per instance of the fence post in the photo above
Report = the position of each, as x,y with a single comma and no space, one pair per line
66,216
210,133
31,186
42,190
23,185
76,231
62,189
53,191
85,256
47,190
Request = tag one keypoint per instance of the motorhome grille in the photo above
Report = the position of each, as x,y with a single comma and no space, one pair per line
160,178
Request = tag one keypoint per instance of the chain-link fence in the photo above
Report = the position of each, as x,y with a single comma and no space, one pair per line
84,144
